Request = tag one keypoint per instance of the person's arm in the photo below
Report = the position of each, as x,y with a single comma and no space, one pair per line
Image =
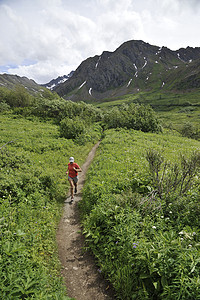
67,170
78,169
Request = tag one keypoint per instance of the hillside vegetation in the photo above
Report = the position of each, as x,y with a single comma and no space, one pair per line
140,207
141,214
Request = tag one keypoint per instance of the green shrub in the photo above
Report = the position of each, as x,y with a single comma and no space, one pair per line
71,128
139,117
173,180
18,97
190,131
4,106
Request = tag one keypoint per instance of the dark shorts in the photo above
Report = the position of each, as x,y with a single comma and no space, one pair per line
75,179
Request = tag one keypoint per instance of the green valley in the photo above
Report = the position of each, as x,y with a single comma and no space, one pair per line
140,208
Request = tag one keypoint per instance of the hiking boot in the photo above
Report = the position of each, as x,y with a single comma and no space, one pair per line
75,190
72,199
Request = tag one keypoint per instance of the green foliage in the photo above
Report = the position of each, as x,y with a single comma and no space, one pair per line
33,185
173,180
4,106
48,108
70,129
190,130
139,117
147,249
18,97
79,130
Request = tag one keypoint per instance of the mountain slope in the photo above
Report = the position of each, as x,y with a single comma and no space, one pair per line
134,66
11,81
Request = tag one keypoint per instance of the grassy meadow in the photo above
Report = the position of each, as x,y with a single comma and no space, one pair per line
140,207
33,186
172,108
147,246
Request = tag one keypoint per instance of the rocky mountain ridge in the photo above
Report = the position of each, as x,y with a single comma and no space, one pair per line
134,66
54,83
11,81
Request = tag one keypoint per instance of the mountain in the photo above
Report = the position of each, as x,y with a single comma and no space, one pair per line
134,66
11,81
54,83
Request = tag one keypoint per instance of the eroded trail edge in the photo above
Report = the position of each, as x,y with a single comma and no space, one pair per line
81,276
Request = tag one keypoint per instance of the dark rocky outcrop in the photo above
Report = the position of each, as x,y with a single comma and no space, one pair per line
134,66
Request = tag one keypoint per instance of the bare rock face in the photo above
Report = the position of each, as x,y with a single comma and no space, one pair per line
134,66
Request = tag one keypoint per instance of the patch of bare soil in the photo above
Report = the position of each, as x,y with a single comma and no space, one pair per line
81,275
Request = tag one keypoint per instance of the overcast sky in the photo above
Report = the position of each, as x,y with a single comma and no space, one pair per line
42,39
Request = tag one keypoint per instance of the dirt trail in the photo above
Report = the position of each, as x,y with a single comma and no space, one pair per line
81,275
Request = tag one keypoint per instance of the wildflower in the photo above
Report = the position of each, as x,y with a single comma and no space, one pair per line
135,245
194,233
181,232
162,217
99,270
170,212
154,227
116,242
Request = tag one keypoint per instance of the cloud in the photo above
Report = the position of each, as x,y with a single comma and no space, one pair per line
57,36
45,39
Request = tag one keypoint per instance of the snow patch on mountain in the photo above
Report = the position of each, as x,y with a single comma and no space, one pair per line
98,62
144,63
59,80
129,82
82,85
135,66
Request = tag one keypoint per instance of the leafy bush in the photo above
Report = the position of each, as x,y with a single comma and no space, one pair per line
4,106
18,97
190,131
139,117
173,180
71,128
48,108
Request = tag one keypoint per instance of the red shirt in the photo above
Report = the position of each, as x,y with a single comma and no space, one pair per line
72,173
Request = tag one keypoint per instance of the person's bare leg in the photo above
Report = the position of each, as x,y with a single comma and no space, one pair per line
71,188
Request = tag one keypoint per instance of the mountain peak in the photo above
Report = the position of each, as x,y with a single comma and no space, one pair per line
51,85
132,67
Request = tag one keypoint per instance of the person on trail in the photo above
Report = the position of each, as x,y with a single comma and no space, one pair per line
72,172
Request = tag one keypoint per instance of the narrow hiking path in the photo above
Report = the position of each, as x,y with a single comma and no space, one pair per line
81,276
